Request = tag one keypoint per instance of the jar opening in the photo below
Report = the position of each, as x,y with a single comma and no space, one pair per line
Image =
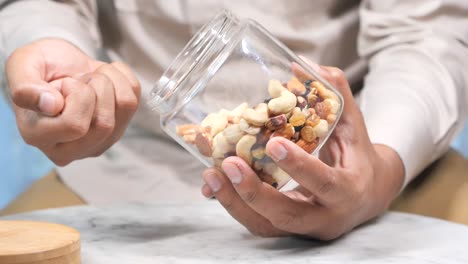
205,46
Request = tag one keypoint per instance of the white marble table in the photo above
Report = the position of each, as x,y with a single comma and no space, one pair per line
205,233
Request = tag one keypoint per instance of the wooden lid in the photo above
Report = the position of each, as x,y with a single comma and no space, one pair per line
31,242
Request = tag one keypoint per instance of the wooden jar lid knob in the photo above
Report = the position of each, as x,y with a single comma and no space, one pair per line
38,243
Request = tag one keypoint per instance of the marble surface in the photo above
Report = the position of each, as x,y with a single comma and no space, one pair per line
205,233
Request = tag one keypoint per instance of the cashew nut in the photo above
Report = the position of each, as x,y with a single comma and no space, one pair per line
321,129
244,126
275,88
216,121
256,117
243,148
276,172
233,133
221,146
258,153
283,104
234,116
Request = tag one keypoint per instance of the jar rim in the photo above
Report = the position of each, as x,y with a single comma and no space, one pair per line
189,58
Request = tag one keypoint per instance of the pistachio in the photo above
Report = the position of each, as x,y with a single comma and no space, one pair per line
301,102
276,122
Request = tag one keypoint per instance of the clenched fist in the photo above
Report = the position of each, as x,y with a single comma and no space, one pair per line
67,104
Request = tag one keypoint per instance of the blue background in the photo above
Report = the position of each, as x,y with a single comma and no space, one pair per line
20,164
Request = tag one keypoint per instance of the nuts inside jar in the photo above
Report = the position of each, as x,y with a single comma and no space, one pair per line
300,110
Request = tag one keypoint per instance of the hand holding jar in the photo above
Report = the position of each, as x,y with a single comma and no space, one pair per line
244,104
352,181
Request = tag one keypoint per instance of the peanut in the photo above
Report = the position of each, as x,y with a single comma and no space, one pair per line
258,153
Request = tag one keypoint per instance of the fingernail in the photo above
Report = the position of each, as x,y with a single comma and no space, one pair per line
212,180
46,103
233,173
278,152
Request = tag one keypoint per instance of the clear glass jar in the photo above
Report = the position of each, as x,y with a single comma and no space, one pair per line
233,87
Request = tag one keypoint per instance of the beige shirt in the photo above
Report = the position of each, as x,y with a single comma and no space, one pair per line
412,56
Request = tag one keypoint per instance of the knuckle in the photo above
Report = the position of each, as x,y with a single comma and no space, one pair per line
284,220
77,127
105,124
337,73
135,84
129,103
327,185
249,196
17,96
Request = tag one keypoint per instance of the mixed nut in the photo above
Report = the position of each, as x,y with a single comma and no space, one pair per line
301,111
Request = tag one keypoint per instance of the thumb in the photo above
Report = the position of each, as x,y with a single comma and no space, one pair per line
25,71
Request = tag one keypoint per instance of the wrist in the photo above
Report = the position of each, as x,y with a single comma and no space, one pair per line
389,173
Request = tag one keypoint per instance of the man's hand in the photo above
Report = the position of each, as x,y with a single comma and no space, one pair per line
352,182
67,104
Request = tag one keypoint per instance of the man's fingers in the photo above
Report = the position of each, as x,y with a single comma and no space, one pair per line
310,172
29,88
102,124
218,185
283,212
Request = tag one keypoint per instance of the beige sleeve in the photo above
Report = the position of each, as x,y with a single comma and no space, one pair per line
22,22
415,95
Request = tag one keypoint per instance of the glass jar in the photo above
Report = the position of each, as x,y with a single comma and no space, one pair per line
233,87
